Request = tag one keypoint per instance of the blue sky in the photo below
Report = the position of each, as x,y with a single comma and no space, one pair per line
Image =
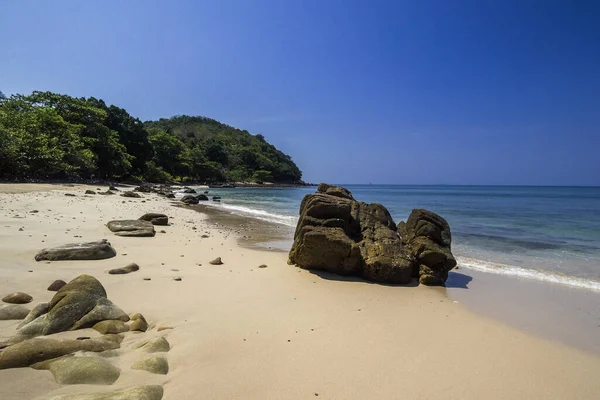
451,92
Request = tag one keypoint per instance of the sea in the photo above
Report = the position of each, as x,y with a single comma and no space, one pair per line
549,234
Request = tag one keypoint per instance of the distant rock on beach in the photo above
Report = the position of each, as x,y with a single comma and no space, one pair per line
338,234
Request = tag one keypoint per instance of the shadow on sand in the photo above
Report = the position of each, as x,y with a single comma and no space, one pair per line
334,277
456,280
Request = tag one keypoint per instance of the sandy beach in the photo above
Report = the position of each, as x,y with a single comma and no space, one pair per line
280,332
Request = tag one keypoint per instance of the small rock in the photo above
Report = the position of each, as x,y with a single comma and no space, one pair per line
125,270
69,194
111,326
262,266
90,192
56,285
177,278
164,328
216,261
131,194
156,345
155,218
81,370
155,365
138,323
147,279
34,211
17,298
12,312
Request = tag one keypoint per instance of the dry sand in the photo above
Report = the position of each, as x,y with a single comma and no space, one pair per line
279,332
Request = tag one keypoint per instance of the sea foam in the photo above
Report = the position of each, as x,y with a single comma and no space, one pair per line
527,273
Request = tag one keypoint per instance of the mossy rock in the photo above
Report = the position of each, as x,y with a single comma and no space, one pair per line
81,370
156,365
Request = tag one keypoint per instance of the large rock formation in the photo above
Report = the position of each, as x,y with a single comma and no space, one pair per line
79,304
78,251
338,234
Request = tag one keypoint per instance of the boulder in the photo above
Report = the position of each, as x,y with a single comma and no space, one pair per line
155,218
32,351
78,251
113,326
338,234
90,192
149,392
132,227
131,194
155,364
69,370
428,238
79,304
111,187
124,270
17,298
56,285
156,345
170,195
189,191
189,199
13,312
202,197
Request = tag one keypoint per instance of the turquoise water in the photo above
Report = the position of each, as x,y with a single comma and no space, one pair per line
544,233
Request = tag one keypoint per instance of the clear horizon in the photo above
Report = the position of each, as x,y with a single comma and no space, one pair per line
501,93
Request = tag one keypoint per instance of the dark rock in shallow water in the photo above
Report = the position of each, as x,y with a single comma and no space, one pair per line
202,197
189,190
17,298
170,195
189,199
78,251
131,194
56,285
155,218
132,227
79,304
125,270
338,234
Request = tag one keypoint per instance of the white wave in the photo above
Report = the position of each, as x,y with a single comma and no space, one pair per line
259,214
534,274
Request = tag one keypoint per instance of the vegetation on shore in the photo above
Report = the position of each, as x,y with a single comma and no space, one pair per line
51,136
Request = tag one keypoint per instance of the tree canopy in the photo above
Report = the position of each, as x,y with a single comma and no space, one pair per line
51,136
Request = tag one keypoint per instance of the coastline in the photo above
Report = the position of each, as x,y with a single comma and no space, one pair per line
276,332
530,306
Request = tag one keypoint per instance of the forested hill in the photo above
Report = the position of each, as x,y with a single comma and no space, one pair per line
52,136
217,148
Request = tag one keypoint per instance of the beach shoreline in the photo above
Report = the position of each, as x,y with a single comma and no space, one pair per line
277,332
